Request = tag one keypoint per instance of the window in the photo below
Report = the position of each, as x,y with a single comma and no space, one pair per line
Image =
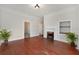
64,27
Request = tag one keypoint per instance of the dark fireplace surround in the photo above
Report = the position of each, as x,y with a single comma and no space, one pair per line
50,35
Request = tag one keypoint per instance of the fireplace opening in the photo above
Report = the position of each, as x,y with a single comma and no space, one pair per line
50,35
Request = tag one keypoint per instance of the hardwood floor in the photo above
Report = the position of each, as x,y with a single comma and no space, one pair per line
37,46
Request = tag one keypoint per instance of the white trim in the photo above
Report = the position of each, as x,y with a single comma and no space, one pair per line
14,39
63,41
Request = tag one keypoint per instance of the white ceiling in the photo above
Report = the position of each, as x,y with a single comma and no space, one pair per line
30,10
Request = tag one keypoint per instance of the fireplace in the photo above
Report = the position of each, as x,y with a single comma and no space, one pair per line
50,35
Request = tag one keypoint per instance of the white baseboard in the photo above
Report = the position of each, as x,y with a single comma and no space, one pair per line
77,48
62,40
13,39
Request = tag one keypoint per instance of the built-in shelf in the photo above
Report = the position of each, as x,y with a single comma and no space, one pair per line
64,27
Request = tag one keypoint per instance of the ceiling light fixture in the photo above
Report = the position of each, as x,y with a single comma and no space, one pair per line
37,6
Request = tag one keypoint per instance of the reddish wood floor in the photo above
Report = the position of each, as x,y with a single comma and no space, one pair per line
37,46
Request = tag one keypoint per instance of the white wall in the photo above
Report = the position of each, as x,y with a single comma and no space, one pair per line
77,26
0,19
51,22
0,23
35,25
13,22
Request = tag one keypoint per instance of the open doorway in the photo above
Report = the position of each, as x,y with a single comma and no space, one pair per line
41,27
33,26
26,30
